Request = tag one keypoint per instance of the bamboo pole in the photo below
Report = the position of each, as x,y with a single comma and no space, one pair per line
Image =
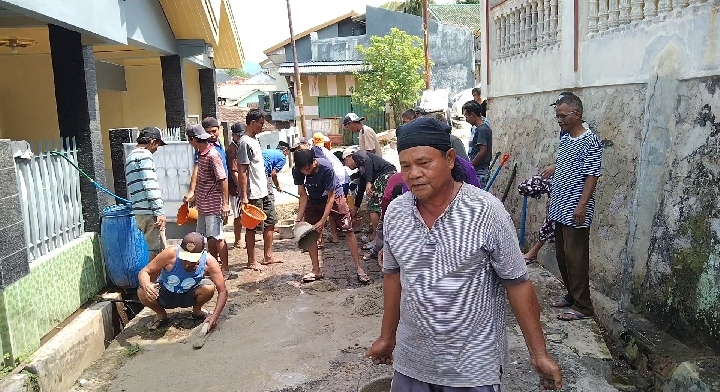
426,44
298,85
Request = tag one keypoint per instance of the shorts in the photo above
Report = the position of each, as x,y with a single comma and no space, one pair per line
271,189
268,207
235,206
340,213
403,383
154,237
375,199
211,226
547,231
170,300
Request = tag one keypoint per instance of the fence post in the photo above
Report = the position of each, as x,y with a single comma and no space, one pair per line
14,262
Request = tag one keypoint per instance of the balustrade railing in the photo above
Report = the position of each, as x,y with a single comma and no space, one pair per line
524,26
608,14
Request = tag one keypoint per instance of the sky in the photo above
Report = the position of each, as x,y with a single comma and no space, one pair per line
263,24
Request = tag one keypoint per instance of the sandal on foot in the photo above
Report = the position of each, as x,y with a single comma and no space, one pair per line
311,277
363,278
571,315
158,324
530,260
561,302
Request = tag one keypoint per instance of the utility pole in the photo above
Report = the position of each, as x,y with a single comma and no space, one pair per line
298,85
425,14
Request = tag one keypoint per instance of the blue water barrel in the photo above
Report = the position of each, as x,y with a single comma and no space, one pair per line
124,246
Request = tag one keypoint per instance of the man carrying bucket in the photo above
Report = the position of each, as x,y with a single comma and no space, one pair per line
144,190
213,203
254,190
322,198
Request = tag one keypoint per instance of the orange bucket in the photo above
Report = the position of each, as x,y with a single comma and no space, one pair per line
251,216
186,215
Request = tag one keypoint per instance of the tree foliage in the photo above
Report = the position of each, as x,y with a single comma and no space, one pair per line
413,7
393,74
237,73
467,2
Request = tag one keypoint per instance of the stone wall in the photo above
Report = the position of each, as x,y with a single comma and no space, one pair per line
654,241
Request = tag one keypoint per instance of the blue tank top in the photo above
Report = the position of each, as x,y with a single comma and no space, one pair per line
180,281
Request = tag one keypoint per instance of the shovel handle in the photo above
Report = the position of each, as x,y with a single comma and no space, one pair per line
504,159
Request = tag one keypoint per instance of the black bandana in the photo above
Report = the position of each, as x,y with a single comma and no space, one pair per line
424,131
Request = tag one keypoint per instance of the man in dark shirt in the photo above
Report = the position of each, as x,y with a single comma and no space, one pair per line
481,140
376,172
238,129
322,198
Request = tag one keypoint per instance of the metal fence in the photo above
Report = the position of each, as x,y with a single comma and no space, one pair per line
49,196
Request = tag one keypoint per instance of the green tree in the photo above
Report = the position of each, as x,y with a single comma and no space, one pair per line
413,7
237,73
467,2
393,74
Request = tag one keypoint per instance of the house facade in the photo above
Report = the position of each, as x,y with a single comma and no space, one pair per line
328,61
648,74
78,70
467,15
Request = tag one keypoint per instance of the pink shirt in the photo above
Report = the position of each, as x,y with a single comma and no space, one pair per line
208,190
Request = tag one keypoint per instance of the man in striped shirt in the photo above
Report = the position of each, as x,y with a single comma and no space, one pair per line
572,205
212,200
144,190
450,259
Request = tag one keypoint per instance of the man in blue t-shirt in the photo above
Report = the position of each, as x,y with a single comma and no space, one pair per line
322,198
275,160
480,152
572,205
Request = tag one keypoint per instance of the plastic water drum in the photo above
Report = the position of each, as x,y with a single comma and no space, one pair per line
124,246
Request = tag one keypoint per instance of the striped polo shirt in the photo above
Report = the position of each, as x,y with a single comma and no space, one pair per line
142,184
452,309
578,158
208,189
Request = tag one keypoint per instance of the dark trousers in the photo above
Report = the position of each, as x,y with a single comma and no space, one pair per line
572,249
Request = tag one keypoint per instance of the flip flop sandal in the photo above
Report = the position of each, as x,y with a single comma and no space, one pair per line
369,246
561,302
370,256
571,315
530,261
158,324
311,277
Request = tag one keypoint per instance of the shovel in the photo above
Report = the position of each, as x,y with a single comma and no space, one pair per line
503,160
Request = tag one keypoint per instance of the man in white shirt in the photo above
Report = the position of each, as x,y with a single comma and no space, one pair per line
254,189
368,138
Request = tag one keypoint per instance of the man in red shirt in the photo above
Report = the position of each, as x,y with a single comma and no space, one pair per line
211,194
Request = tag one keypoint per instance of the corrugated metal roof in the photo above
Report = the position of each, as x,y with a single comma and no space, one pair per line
459,14
322,68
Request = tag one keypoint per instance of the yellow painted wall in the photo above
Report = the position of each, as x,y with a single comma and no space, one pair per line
27,101
192,90
144,102
111,116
